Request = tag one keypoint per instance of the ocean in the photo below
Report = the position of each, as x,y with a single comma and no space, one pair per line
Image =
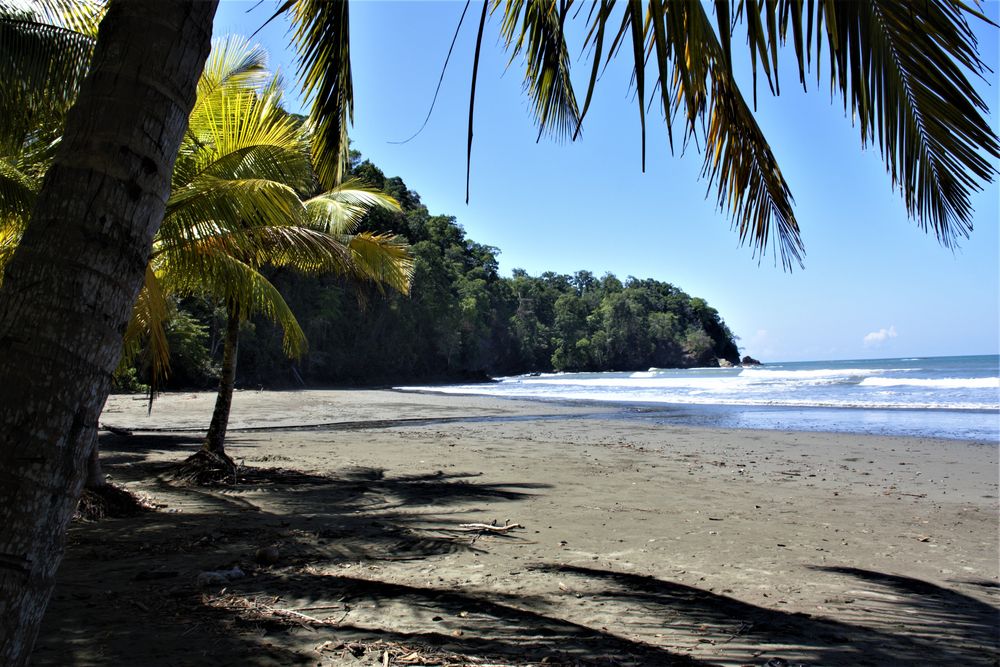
944,397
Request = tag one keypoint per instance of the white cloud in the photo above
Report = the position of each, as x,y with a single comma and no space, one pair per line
876,338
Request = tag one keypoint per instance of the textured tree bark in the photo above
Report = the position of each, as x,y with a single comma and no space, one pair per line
215,439
69,289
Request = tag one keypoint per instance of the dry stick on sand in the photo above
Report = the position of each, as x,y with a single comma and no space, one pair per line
489,527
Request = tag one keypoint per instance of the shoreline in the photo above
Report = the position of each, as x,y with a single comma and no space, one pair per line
831,420
643,543
720,415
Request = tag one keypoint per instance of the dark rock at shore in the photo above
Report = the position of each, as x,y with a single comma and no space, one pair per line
749,361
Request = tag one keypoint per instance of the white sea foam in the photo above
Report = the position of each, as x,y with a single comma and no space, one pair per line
693,399
814,373
938,396
939,383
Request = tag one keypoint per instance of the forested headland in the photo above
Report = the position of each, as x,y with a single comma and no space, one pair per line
462,320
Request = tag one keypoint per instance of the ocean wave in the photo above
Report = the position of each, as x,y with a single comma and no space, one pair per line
720,384
817,373
940,383
689,399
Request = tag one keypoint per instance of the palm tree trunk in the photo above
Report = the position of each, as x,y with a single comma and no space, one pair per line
69,289
215,440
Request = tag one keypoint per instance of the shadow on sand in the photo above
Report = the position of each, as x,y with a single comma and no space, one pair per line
129,590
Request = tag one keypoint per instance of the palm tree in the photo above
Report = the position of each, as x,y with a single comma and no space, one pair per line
237,207
69,289
899,64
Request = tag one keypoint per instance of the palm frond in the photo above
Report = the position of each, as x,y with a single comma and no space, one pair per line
11,229
300,248
82,16
322,39
243,134
42,66
738,159
341,209
694,79
17,191
901,67
145,333
383,259
230,280
208,205
234,62
534,28
594,39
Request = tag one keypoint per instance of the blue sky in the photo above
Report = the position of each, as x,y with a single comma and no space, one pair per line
874,285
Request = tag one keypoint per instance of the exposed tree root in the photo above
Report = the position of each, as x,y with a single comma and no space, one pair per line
205,468
110,501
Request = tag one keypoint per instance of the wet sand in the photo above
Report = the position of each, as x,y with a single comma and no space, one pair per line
641,543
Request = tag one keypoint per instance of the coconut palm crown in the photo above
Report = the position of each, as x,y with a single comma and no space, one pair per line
239,203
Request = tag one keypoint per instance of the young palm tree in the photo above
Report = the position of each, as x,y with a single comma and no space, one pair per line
899,64
237,206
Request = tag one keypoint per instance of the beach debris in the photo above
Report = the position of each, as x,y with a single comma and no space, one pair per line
111,500
263,609
394,653
211,577
490,527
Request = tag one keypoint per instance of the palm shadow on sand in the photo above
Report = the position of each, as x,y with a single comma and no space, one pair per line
128,591
914,622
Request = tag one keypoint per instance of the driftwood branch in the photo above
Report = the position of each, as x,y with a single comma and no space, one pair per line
489,527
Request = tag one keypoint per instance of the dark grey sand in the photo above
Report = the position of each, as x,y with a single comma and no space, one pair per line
641,543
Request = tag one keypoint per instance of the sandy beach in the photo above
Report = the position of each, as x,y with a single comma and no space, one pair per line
638,543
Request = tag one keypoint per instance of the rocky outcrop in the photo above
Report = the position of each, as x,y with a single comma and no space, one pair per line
749,361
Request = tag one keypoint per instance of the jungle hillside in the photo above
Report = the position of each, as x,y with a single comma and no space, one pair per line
461,321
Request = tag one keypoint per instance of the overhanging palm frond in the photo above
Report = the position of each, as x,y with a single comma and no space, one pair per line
694,80
341,209
44,56
900,66
82,16
738,159
322,39
535,28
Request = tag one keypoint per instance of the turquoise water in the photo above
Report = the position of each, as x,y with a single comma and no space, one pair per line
950,397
